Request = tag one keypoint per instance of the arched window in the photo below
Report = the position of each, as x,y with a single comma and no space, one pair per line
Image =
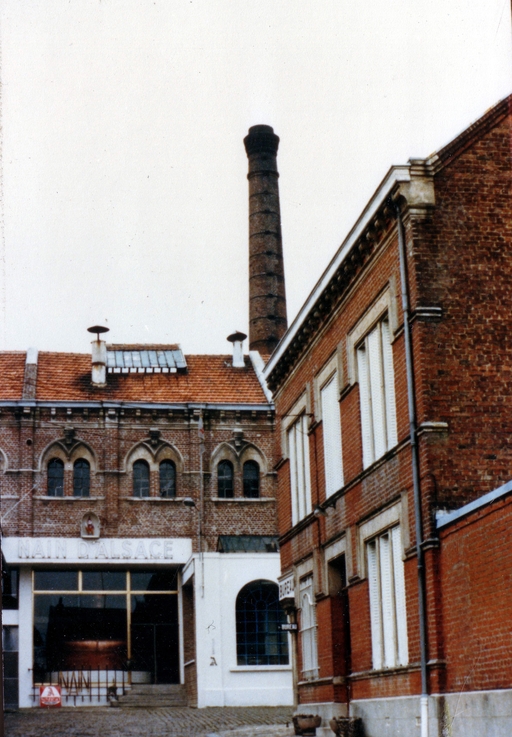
140,478
259,640
225,480
81,477
55,477
167,479
251,480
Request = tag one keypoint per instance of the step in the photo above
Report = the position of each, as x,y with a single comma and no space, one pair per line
154,695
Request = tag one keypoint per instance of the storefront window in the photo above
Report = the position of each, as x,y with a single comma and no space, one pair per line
77,626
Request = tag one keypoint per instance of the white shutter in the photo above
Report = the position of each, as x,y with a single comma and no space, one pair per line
307,476
389,385
331,427
292,452
377,392
364,399
375,613
388,606
299,445
308,629
401,613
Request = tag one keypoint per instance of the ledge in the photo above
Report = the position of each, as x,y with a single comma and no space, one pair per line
396,671
68,498
316,681
259,668
243,500
159,499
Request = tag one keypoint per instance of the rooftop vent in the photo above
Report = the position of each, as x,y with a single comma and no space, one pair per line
99,356
237,338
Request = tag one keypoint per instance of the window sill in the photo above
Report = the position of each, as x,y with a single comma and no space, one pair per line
396,670
69,498
242,500
259,668
158,499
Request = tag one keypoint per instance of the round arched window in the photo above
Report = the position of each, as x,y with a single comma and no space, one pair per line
167,479
140,478
259,639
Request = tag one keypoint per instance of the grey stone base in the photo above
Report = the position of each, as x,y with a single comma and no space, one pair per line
471,714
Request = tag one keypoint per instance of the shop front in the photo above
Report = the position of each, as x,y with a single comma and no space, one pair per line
97,617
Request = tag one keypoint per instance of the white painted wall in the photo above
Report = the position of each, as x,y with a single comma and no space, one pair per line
221,682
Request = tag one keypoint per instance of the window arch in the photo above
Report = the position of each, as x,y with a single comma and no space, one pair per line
225,487
167,471
55,485
259,640
251,476
81,477
141,478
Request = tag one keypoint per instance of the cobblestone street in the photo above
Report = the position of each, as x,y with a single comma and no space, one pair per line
163,722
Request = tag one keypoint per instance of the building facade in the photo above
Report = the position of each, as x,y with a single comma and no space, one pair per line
138,503
393,400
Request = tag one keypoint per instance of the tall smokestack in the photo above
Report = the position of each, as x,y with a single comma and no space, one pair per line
267,298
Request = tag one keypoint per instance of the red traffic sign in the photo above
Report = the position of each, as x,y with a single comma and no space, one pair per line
50,696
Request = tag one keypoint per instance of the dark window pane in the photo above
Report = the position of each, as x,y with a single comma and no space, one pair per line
55,477
104,580
167,479
225,480
259,640
56,580
81,477
140,478
79,632
154,580
10,580
251,480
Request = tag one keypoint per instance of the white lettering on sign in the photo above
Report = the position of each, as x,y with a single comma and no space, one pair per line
287,588
77,549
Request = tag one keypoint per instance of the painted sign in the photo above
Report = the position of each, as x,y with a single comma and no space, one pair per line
50,696
19,550
287,588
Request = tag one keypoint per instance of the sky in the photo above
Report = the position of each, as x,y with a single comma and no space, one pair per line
124,195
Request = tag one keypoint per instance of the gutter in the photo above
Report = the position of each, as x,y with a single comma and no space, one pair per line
138,405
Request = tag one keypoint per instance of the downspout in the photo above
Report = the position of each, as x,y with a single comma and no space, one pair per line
411,401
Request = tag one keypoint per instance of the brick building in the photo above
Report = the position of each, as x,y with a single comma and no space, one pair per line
138,500
393,400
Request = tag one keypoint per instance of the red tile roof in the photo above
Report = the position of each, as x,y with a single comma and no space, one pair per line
67,377
12,372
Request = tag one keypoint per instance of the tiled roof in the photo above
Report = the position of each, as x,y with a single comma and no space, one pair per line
12,369
67,377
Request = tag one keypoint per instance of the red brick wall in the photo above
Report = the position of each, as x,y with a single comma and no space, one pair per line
476,580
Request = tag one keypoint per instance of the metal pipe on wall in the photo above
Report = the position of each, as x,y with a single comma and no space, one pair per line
411,401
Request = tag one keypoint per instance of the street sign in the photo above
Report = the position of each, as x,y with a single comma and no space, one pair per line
289,627
50,696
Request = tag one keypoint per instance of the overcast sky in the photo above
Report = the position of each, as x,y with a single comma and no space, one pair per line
124,172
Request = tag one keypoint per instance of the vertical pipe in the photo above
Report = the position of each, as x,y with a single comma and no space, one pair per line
411,401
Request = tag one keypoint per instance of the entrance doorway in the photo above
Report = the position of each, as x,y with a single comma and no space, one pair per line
154,637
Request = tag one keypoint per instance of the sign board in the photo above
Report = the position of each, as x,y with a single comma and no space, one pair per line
118,550
50,696
287,588
289,627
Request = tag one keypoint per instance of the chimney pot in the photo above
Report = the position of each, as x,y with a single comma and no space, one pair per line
237,338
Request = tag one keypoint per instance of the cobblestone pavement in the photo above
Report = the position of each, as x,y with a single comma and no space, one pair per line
160,722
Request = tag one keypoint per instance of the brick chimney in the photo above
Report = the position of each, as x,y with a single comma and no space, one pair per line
267,298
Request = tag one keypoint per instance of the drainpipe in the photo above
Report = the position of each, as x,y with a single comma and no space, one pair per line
411,401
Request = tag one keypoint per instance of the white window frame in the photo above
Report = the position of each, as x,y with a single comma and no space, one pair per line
386,584
296,445
377,392
308,629
331,430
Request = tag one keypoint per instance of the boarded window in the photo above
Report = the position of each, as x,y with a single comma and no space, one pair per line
387,600
377,393
332,436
